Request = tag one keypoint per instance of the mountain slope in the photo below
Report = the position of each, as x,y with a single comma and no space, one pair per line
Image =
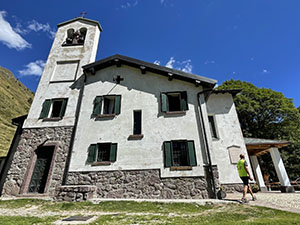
15,100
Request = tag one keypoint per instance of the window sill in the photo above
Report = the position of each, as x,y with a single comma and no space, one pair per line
104,163
176,113
135,137
179,168
105,115
78,44
52,119
215,139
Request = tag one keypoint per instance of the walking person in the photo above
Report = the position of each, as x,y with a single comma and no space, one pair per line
244,174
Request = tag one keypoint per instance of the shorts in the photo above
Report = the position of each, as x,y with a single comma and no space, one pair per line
245,180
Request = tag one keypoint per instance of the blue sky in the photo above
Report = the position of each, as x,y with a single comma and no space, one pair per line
252,40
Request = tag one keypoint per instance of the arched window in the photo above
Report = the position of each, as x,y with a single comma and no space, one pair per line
75,37
70,35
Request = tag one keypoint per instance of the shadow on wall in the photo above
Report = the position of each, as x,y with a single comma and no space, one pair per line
150,83
219,103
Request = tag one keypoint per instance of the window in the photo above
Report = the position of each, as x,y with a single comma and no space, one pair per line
57,107
174,101
179,153
102,152
212,127
108,105
137,122
75,37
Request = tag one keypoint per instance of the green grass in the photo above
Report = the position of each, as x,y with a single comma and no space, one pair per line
15,220
129,212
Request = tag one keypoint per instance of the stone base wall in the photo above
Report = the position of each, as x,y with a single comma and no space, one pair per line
75,193
146,184
18,174
230,188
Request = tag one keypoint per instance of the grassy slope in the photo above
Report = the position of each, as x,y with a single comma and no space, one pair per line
15,100
129,212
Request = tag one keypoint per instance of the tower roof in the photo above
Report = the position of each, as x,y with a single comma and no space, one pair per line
81,19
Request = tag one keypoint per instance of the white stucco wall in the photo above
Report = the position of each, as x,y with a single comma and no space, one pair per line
139,92
84,54
229,134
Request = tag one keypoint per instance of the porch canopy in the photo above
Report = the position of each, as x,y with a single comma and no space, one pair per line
257,147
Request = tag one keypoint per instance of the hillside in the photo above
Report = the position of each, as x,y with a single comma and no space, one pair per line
15,101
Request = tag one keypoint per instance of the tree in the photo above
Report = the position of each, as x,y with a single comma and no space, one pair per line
264,113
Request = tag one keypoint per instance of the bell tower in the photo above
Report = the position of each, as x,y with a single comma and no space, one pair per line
74,46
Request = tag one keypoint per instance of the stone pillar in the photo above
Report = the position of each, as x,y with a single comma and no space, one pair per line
281,172
258,173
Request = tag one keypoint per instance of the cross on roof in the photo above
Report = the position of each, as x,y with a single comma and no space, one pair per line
83,14
118,79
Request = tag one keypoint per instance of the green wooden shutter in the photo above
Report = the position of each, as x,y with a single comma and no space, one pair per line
192,155
164,102
117,104
97,105
167,154
113,152
45,109
184,103
63,108
92,152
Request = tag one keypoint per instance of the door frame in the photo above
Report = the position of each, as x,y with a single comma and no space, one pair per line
33,158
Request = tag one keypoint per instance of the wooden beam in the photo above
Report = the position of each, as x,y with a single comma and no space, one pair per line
143,69
117,62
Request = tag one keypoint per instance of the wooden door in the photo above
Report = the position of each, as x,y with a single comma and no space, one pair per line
41,169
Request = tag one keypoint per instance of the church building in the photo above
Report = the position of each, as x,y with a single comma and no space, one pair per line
122,128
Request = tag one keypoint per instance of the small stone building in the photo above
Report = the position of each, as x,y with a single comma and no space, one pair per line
121,128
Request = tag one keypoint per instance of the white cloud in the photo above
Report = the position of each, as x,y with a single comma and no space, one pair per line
184,65
156,62
265,71
209,62
162,1
36,26
33,68
170,63
9,37
129,4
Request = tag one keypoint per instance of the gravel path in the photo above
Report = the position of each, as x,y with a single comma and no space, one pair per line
277,200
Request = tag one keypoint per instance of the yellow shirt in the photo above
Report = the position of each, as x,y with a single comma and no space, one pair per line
241,168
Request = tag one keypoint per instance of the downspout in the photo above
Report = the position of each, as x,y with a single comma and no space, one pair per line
67,166
210,169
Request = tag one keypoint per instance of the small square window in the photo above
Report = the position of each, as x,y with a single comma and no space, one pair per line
179,153
174,102
102,152
107,105
56,108
53,109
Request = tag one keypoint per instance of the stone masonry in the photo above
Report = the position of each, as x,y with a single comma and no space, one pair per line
30,140
75,193
145,184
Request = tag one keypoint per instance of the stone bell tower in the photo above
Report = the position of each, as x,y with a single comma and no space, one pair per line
75,45
39,157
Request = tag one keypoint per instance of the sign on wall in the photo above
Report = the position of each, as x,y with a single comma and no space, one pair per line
234,153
